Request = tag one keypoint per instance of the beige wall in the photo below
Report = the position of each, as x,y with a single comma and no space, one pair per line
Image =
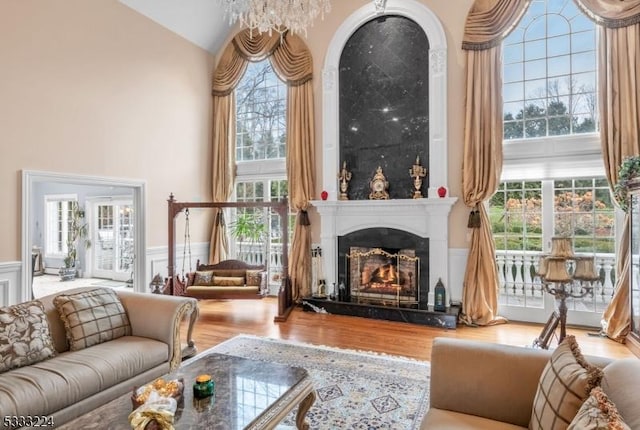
452,15
94,88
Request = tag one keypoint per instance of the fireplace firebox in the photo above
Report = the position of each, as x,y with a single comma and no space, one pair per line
366,258
385,277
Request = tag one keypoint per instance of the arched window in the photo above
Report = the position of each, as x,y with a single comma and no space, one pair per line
550,72
553,174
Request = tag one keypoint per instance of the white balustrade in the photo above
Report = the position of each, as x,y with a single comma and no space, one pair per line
519,286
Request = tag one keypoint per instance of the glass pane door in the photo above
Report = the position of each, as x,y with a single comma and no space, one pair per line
113,248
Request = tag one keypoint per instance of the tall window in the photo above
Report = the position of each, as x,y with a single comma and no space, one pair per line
553,175
261,166
550,72
58,209
261,114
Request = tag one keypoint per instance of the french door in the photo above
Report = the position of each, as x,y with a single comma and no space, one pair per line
113,239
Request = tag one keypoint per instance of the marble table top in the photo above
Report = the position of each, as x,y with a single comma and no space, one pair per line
248,394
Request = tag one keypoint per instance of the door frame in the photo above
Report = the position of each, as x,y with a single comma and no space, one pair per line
31,177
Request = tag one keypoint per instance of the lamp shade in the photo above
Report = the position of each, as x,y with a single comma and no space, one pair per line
585,269
561,247
542,265
556,270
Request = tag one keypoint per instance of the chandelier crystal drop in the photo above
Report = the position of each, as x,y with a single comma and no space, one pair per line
276,15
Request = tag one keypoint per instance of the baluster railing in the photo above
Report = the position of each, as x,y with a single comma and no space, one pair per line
518,285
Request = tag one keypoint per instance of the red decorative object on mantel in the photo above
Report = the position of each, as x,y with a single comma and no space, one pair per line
324,195
442,192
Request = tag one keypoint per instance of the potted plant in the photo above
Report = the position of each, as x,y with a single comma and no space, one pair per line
78,234
248,228
628,173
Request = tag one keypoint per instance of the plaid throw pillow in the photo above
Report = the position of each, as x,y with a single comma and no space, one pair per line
24,335
598,413
565,384
92,317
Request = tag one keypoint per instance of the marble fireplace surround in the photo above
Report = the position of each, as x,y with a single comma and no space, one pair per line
427,218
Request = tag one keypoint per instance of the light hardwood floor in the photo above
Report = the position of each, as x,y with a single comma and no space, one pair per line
222,320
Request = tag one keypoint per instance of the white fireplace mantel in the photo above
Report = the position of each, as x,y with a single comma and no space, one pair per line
427,218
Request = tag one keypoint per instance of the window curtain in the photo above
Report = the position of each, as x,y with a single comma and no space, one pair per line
619,103
291,61
488,23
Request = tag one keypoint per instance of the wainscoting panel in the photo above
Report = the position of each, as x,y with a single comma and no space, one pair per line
10,285
158,259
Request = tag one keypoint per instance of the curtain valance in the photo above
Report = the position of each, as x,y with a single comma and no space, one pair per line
490,21
289,56
611,13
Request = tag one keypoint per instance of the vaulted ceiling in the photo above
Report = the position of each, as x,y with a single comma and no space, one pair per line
199,21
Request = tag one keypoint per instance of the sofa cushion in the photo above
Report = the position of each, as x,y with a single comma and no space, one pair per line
203,278
449,420
46,387
92,317
620,383
598,413
254,277
24,335
565,384
227,281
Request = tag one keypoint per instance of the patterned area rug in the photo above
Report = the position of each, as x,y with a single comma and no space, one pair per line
354,390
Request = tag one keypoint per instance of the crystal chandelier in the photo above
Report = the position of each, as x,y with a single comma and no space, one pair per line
276,15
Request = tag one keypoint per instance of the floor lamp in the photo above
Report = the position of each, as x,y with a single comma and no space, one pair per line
558,280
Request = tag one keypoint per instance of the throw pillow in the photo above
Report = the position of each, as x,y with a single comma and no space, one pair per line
203,278
92,317
598,413
25,337
228,281
565,384
254,278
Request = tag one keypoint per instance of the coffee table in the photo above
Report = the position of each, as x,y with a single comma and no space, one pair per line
249,394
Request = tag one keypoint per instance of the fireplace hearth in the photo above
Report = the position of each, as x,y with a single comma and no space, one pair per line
423,315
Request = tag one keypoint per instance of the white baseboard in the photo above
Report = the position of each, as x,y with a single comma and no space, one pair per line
457,265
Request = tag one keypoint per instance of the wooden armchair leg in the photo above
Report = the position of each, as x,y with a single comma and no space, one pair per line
190,350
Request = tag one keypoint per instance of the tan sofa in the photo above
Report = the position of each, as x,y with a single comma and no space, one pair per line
73,383
476,385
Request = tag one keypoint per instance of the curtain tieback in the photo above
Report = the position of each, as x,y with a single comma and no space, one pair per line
220,218
303,218
474,219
